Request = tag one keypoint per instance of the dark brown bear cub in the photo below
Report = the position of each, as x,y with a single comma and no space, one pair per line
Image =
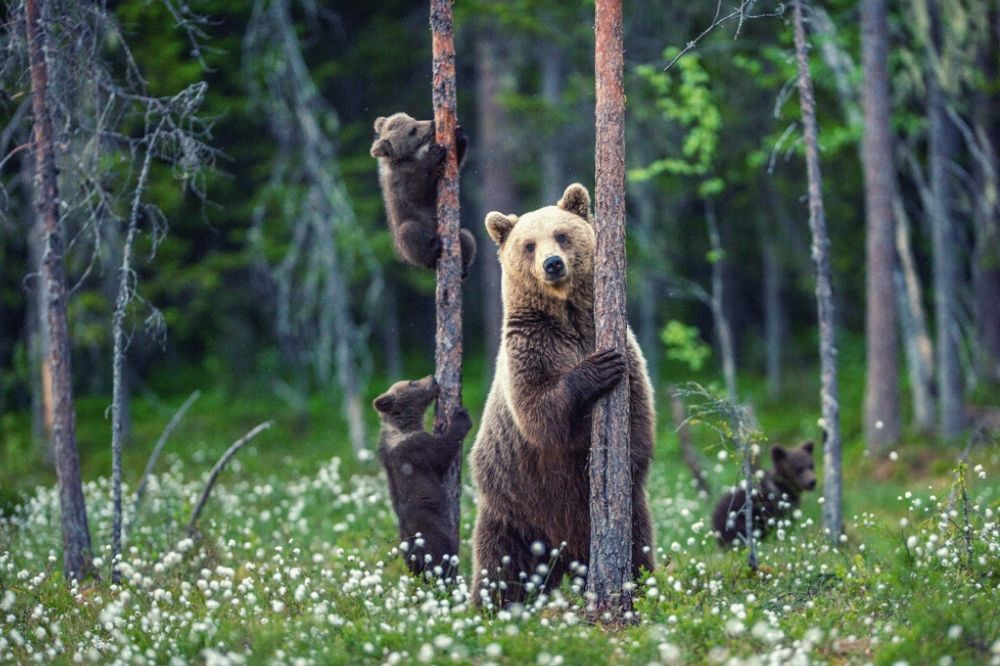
415,462
410,164
776,494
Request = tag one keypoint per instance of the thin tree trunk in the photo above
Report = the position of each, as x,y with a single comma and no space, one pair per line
448,352
913,324
495,160
943,149
610,469
76,533
723,331
550,67
986,253
882,423
119,413
774,316
390,331
829,394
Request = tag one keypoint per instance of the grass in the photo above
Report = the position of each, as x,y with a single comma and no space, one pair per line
297,559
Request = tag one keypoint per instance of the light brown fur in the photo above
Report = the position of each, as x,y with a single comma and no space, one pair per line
530,458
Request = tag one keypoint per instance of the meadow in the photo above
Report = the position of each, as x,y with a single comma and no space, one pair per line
296,560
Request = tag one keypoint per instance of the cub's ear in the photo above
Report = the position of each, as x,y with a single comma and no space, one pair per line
499,225
379,122
380,148
778,454
383,403
808,447
576,199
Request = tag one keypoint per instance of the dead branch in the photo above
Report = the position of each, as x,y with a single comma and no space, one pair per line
158,449
688,452
214,474
739,13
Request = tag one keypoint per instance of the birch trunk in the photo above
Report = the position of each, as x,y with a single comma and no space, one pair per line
774,318
882,423
943,149
723,332
610,566
829,394
495,160
448,352
75,531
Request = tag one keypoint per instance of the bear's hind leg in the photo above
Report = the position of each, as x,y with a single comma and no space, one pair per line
642,535
417,245
504,555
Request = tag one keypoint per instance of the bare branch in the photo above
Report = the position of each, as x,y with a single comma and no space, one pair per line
739,13
158,449
214,474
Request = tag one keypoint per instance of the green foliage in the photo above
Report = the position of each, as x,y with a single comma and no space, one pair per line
684,344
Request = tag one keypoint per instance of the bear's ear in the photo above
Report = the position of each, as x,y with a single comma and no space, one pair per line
379,122
499,225
778,454
576,199
383,403
808,447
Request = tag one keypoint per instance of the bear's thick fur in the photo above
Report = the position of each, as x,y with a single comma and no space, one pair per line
777,493
410,165
415,462
530,458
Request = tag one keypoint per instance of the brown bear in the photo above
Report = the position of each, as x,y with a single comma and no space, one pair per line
415,462
410,164
530,457
777,494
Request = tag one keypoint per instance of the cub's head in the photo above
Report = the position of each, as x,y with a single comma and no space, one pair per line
547,251
404,404
400,136
795,465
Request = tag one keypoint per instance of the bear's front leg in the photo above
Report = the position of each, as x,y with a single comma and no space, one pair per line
596,375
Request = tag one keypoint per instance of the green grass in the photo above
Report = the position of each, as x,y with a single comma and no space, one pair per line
297,556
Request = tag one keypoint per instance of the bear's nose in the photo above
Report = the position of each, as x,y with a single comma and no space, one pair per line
554,267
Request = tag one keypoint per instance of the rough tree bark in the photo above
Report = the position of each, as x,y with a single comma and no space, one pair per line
723,331
882,423
943,149
494,154
448,351
75,531
610,566
832,504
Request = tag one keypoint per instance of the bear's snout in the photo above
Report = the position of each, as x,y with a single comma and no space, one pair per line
555,268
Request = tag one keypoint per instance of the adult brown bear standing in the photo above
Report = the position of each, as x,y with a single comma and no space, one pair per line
531,453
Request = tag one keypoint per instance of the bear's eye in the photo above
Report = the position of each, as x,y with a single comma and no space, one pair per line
561,239
529,247
413,131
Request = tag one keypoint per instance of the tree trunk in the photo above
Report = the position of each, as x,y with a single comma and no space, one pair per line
774,316
448,353
913,324
832,504
610,469
723,331
882,425
76,534
390,331
550,68
495,160
943,149
986,253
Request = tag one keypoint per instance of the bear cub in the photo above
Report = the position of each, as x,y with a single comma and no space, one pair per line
415,462
410,164
776,495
